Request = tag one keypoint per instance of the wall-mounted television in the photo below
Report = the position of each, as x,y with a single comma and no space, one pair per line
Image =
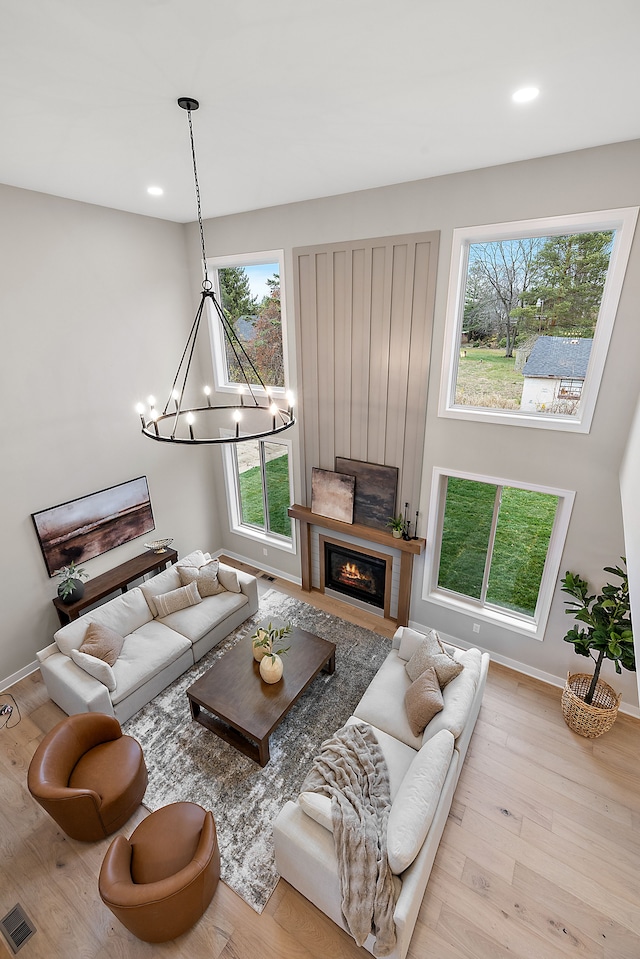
93,524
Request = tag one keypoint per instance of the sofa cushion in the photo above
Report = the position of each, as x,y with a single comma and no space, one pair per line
415,804
95,667
197,621
383,706
423,700
102,642
430,652
205,577
124,614
144,654
177,599
195,559
164,582
229,578
398,758
458,696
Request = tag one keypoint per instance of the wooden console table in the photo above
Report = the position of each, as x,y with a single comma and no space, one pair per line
408,549
115,579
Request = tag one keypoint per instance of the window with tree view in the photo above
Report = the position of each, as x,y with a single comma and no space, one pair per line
531,308
498,546
250,295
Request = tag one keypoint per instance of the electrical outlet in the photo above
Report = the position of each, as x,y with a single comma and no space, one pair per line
265,551
476,627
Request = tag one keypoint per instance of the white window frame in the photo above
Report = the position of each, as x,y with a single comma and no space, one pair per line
234,505
215,263
533,627
623,221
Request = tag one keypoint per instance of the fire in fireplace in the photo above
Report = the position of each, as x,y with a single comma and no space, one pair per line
354,574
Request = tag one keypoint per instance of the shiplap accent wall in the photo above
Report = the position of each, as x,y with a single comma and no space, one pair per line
364,312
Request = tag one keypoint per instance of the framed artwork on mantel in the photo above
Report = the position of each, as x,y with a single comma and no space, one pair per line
376,490
332,494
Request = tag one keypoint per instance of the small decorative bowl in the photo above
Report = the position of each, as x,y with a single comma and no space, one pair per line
159,545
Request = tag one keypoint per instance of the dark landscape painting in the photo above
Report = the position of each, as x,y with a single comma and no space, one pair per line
86,527
376,491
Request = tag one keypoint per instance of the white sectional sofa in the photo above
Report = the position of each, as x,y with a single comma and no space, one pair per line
156,649
423,772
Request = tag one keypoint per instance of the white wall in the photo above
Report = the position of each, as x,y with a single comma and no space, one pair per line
588,180
95,306
629,486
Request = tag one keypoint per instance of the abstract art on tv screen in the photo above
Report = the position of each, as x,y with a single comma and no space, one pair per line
90,525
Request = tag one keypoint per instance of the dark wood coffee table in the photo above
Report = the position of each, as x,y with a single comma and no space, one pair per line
244,710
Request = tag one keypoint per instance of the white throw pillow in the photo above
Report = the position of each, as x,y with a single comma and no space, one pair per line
229,579
177,599
95,667
416,801
317,807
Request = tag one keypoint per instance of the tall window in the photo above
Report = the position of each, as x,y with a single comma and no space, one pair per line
531,306
497,548
248,288
262,490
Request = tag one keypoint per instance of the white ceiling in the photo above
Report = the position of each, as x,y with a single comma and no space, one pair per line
300,98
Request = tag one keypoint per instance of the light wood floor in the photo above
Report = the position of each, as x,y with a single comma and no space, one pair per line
540,858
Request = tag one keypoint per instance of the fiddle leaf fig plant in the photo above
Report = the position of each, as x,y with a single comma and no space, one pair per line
607,631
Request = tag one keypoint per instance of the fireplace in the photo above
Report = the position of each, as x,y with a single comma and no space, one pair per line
356,573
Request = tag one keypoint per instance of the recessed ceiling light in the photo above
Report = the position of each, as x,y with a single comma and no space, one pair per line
525,94
155,190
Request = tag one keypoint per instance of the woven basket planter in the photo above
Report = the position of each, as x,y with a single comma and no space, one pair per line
594,720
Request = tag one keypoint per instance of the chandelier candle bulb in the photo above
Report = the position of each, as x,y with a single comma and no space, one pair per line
191,420
274,412
241,395
237,416
140,411
175,396
207,393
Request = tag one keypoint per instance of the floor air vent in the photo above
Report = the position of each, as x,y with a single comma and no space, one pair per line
17,928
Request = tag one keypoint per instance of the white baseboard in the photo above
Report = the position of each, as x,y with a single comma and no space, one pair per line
25,671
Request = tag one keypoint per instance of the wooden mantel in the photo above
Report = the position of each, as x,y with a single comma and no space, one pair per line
408,549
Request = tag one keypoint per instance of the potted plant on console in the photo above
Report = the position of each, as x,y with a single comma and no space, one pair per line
589,705
71,587
265,639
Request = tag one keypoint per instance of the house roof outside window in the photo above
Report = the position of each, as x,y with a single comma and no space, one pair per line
559,357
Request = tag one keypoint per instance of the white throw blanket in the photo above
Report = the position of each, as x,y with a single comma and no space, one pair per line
352,772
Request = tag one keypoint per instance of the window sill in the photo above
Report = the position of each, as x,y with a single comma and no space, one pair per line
259,536
504,620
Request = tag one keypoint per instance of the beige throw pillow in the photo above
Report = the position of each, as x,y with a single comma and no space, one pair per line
178,599
206,578
423,700
430,652
102,642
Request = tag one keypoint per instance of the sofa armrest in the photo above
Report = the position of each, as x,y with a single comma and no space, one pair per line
249,586
49,650
71,688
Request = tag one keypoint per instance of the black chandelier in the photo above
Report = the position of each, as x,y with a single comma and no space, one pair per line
253,418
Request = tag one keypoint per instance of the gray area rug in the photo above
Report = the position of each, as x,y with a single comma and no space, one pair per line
188,762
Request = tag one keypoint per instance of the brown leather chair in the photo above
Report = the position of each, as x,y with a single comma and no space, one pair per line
160,881
88,776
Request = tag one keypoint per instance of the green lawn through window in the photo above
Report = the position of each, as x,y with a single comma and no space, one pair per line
523,532
277,476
